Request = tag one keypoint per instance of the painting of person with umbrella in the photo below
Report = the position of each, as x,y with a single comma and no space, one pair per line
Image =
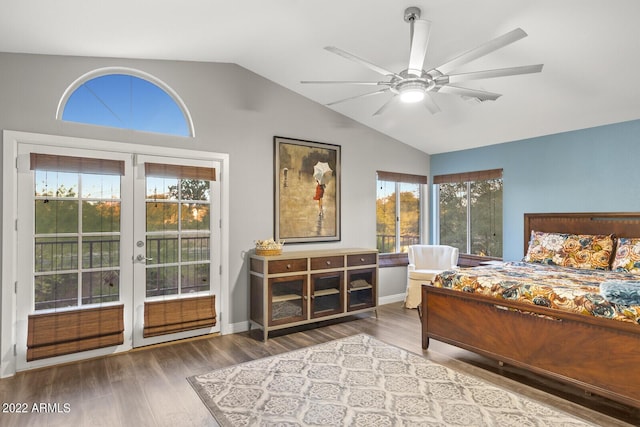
321,173
307,191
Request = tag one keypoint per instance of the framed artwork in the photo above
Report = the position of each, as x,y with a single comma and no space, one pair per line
307,191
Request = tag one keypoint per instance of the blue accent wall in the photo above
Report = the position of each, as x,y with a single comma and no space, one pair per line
588,170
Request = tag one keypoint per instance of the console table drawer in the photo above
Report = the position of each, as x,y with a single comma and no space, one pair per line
361,259
322,263
287,265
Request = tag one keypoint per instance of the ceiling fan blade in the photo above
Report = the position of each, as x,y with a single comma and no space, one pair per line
361,61
488,47
430,104
473,93
419,42
345,82
358,96
488,74
387,105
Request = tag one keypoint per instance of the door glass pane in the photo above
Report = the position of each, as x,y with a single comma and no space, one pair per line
195,278
56,291
162,216
56,216
100,251
162,281
194,189
195,248
100,216
100,286
56,184
56,253
77,239
195,216
162,249
100,186
178,233
162,188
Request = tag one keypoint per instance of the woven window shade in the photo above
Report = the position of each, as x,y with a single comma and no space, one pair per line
72,164
55,334
160,170
177,315
468,176
401,177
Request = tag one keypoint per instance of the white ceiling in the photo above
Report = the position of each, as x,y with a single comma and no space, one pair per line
590,48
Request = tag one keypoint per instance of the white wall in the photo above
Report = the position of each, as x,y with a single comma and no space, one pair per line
237,112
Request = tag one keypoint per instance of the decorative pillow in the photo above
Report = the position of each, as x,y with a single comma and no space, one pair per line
584,251
627,255
621,292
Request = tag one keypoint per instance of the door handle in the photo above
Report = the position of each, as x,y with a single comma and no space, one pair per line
142,258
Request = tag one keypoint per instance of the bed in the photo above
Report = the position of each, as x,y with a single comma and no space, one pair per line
574,336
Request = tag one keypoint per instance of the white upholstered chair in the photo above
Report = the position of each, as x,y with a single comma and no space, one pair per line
425,262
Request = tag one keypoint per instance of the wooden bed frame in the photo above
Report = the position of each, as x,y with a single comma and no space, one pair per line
599,355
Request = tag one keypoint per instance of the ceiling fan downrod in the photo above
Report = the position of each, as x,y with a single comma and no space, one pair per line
410,15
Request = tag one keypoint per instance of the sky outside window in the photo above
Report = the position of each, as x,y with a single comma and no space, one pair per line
127,102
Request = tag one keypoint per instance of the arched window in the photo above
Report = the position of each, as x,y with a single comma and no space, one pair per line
127,99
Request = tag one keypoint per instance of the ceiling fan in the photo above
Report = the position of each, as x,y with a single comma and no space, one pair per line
415,84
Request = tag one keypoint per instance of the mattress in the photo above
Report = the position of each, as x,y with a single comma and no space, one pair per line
555,287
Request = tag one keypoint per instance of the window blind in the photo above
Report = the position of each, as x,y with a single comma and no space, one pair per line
160,170
468,176
401,177
72,164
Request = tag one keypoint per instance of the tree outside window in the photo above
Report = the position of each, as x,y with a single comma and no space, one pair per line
470,212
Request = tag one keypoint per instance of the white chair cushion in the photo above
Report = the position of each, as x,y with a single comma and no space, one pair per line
426,275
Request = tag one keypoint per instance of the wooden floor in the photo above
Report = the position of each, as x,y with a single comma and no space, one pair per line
147,387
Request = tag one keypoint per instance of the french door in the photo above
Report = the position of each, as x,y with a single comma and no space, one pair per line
176,224
114,250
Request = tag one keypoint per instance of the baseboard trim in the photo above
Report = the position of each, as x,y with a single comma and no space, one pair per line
235,328
389,299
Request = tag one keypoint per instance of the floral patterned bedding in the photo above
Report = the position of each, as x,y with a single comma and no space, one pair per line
556,287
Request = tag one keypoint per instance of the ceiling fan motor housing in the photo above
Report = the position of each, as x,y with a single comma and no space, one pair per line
424,82
410,83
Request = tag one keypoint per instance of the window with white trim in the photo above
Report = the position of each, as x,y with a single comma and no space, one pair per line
398,211
470,212
127,99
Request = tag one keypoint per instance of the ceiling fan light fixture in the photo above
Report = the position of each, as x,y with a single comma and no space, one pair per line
411,93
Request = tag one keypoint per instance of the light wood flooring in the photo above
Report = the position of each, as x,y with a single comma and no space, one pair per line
147,387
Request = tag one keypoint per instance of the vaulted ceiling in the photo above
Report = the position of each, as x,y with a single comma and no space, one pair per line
590,50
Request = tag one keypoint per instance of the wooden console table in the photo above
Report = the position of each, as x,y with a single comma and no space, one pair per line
297,288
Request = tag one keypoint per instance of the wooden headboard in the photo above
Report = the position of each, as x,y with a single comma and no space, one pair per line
622,224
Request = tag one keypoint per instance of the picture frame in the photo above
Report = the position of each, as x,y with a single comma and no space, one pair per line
306,191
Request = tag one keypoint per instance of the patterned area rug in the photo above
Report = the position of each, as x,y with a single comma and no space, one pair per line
360,381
